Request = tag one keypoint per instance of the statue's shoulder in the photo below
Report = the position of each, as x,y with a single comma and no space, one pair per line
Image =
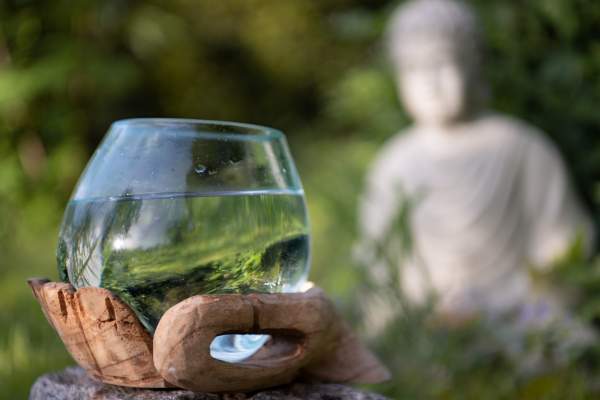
513,130
397,153
504,124
521,138
401,144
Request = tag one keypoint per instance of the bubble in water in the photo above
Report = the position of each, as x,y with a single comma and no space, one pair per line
200,168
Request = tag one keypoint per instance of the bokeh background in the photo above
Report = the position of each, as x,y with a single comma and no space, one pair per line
315,69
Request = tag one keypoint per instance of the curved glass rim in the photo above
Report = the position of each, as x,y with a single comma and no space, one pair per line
230,129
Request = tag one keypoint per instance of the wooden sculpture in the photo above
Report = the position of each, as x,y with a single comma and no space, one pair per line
308,339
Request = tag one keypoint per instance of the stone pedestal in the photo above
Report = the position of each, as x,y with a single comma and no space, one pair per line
74,384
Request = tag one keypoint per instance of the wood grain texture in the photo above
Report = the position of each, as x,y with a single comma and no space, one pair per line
101,333
308,339
298,323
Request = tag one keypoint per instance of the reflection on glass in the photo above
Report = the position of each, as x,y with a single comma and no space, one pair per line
168,209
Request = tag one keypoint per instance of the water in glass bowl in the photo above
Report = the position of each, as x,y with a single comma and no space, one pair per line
156,250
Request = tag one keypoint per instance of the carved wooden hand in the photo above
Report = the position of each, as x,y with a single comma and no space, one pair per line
308,339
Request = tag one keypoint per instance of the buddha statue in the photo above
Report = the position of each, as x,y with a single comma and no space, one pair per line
490,196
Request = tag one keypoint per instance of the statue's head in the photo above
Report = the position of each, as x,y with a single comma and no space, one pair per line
435,49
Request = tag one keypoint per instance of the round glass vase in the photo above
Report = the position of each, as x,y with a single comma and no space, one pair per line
171,208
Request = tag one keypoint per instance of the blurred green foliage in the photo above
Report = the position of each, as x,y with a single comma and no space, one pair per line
312,68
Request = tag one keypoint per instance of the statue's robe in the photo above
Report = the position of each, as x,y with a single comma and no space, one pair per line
492,200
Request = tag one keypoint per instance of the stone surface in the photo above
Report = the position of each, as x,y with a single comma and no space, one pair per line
74,384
